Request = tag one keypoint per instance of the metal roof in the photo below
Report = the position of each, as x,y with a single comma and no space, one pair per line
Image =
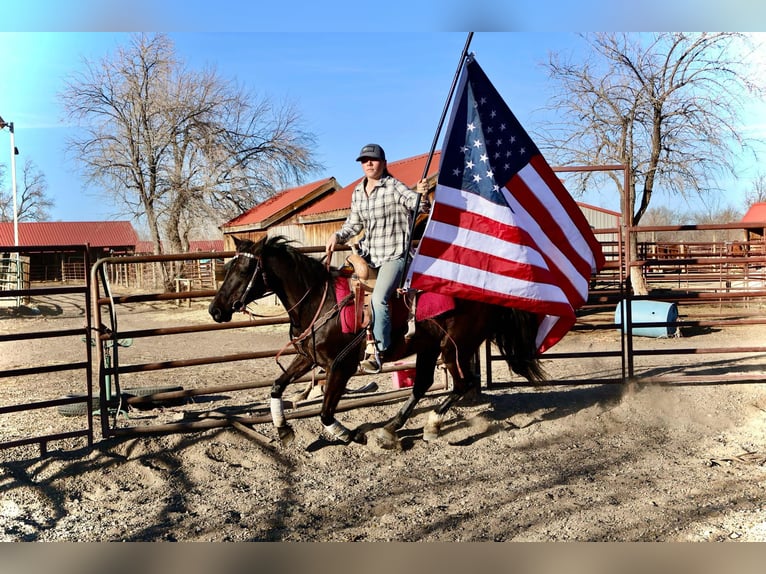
93,233
284,204
756,213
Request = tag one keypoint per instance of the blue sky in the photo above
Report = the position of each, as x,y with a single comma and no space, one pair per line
351,88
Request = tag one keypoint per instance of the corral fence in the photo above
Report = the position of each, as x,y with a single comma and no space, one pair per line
695,288
25,375
614,341
197,273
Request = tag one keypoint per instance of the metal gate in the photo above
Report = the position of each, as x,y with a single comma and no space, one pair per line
25,337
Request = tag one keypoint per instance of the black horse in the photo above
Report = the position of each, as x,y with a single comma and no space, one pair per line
306,288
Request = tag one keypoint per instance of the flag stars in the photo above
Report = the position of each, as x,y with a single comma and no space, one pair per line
477,143
484,158
477,178
490,173
471,127
469,164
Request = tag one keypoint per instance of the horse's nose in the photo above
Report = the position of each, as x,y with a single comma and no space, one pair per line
215,312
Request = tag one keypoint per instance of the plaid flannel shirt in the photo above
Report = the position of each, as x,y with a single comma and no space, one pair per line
385,216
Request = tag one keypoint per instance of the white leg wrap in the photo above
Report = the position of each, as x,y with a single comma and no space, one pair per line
278,412
435,419
432,426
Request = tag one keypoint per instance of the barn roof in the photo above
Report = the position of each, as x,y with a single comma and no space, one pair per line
283,204
756,213
93,233
409,171
616,214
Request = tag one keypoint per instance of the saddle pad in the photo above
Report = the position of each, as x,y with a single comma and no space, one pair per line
432,304
347,319
429,305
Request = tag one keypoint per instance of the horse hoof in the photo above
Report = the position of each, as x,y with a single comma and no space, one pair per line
286,434
359,437
387,439
430,434
432,427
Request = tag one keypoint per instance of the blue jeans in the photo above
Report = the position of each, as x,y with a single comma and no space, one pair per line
389,275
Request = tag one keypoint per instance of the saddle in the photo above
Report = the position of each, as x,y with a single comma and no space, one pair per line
361,281
353,289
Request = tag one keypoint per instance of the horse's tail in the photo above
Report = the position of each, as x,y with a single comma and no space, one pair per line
515,333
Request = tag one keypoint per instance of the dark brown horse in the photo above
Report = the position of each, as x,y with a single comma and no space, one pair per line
305,287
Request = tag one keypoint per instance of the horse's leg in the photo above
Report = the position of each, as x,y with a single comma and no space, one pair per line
335,385
424,378
464,377
299,366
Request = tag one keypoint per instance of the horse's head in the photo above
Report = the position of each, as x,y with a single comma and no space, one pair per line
243,281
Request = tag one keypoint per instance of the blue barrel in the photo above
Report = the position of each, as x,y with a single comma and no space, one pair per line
649,312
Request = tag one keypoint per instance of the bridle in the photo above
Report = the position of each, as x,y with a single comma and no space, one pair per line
241,303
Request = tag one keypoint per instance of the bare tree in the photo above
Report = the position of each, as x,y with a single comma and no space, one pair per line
662,215
758,192
666,105
176,146
32,200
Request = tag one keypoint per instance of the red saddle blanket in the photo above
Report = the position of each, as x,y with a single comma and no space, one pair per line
429,305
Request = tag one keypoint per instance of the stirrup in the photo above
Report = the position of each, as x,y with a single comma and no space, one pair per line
410,328
371,365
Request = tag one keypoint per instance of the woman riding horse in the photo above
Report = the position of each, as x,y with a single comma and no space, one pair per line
306,288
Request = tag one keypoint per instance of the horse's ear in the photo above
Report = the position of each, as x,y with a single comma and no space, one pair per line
237,242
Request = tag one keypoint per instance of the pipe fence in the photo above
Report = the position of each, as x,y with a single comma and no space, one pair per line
181,363
32,384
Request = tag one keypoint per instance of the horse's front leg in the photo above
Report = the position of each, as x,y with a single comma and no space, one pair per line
299,366
335,385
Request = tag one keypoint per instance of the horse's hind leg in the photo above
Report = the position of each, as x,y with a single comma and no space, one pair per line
299,366
464,376
424,378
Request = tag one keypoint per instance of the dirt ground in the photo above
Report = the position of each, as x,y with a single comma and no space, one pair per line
573,462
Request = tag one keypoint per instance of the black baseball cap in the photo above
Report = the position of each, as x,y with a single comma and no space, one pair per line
373,151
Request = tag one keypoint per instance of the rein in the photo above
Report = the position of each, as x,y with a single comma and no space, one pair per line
317,321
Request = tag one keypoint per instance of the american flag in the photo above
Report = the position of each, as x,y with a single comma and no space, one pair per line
503,229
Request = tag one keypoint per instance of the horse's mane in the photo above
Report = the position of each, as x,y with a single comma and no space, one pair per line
306,269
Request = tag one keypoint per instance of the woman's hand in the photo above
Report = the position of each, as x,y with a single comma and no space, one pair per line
332,241
422,187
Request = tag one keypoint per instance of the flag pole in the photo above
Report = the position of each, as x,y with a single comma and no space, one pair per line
433,149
